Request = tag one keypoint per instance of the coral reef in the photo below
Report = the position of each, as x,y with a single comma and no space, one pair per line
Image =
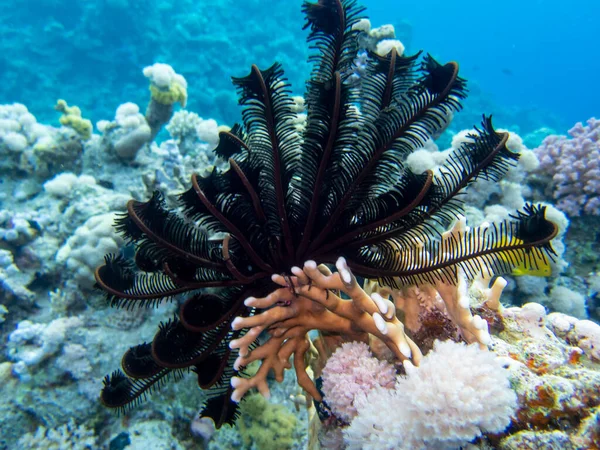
166,89
320,224
71,118
540,376
555,381
31,148
32,343
127,133
58,201
190,131
66,437
338,186
13,280
290,195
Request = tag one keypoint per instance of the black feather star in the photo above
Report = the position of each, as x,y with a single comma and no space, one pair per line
340,187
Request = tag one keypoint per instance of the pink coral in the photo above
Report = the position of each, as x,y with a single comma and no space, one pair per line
350,371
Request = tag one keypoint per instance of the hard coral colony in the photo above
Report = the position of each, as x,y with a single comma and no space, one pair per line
244,243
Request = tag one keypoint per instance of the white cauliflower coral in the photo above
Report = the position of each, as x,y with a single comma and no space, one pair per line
85,250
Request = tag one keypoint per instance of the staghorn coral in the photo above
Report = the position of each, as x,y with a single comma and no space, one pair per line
339,187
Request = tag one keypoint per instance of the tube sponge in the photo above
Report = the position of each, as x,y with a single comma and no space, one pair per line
456,394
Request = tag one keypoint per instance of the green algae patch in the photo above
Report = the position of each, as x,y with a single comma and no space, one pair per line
268,426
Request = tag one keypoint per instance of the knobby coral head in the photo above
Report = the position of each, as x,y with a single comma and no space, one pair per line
338,188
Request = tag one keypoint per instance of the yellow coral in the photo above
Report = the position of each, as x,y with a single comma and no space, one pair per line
175,93
71,118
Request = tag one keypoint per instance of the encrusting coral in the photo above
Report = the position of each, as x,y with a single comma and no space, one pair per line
69,436
245,242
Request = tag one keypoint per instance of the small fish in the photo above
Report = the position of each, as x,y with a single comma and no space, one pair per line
543,270
536,266
506,71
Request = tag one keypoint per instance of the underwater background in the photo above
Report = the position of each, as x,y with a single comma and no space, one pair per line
532,65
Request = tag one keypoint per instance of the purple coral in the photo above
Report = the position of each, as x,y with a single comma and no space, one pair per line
574,165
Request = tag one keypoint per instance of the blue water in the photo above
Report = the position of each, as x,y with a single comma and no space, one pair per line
530,63
539,54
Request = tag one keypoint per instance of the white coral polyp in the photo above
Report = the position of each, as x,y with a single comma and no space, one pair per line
457,393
